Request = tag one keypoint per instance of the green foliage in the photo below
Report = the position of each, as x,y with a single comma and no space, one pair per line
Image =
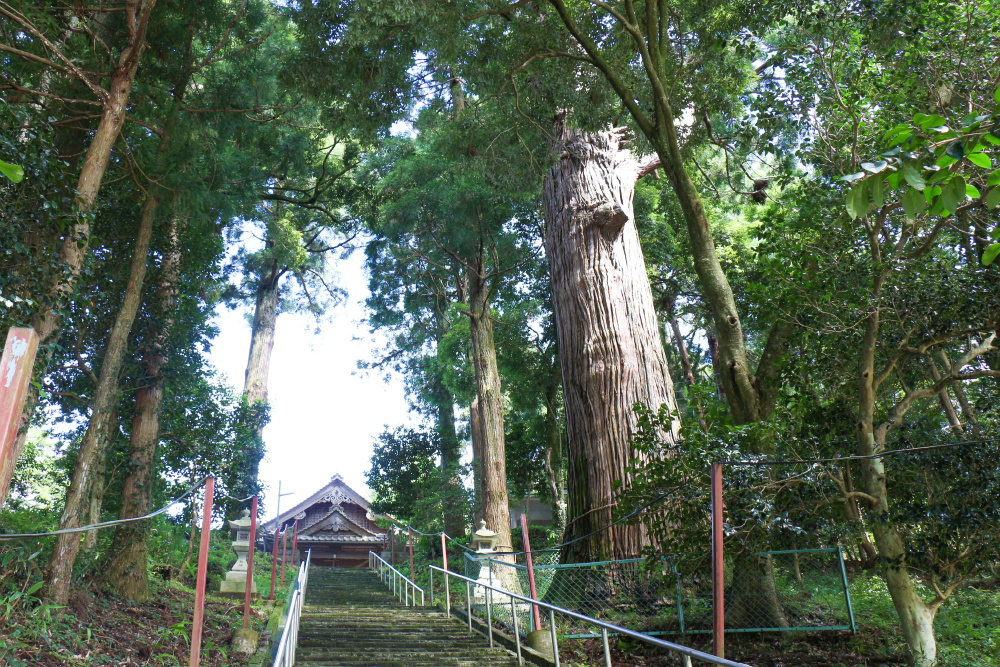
13,172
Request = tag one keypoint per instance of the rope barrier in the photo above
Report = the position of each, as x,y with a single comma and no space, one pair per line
105,524
858,457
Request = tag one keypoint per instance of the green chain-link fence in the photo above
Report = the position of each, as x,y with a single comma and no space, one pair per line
770,591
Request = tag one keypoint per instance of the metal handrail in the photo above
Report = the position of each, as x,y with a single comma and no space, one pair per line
401,586
552,609
285,655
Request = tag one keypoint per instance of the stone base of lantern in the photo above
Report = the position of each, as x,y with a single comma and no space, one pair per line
235,586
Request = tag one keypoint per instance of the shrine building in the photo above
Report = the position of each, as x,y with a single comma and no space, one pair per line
334,523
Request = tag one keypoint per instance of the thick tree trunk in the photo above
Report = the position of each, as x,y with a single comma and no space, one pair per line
93,446
265,317
476,437
100,483
74,247
553,436
916,617
127,571
453,505
492,450
609,342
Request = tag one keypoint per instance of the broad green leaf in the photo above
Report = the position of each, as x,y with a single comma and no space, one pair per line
913,203
874,167
992,198
980,160
902,127
931,192
876,188
928,122
948,199
900,139
994,178
945,161
12,171
34,587
849,204
971,191
993,140
913,177
991,253
955,149
996,95
893,180
850,178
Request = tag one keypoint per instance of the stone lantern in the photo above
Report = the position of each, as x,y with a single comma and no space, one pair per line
484,541
234,585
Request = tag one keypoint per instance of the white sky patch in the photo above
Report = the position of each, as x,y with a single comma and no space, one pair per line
324,412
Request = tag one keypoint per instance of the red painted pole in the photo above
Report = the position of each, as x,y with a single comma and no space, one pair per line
392,543
274,560
412,577
199,591
284,550
531,570
15,377
718,585
444,552
295,543
253,541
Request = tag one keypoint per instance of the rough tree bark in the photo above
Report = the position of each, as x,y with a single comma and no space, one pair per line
74,247
93,448
127,572
492,449
609,342
453,507
476,438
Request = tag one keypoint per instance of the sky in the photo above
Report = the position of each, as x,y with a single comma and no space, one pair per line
324,411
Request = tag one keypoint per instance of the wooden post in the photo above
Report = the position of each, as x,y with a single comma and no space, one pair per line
284,551
199,592
274,560
412,577
15,377
253,541
531,570
295,543
444,565
718,584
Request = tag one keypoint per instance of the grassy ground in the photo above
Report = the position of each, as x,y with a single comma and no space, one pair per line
99,629
968,632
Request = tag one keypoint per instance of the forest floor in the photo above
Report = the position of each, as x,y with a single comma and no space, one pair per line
967,626
99,629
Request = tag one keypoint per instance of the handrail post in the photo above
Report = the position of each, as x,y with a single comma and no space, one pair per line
447,594
489,614
555,640
431,572
718,584
517,632
607,649
468,604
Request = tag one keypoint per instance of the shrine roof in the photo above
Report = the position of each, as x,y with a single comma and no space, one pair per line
336,491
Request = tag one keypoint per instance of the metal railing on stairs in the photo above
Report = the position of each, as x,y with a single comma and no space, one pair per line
285,655
487,592
401,586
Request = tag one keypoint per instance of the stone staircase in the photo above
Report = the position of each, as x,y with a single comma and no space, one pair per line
351,619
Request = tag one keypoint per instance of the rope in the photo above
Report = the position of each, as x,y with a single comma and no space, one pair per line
857,457
92,526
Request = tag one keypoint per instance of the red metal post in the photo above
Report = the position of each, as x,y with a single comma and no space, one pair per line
412,577
295,543
718,585
15,377
284,551
253,542
531,570
274,560
392,545
444,552
199,591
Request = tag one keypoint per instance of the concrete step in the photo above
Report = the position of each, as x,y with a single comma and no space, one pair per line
351,619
